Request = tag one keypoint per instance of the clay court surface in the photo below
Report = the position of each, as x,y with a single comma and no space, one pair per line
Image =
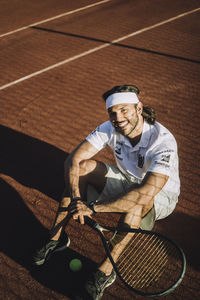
56,60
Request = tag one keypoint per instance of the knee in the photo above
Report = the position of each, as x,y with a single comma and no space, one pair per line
83,166
147,208
87,167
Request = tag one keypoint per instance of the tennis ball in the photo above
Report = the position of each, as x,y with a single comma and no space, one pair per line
75,265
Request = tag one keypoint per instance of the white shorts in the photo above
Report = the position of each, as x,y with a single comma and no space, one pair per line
164,202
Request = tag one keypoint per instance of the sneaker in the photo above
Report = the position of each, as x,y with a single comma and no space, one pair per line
48,249
97,284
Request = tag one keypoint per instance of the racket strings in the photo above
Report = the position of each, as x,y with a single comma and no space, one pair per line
155,263
146,278
123,263
140,261
145,260
130,248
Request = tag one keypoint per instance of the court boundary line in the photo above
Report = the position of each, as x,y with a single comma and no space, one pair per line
55,17
96,49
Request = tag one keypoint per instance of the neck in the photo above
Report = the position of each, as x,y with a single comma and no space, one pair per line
135,136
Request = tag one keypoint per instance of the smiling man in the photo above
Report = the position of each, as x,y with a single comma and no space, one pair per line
143,185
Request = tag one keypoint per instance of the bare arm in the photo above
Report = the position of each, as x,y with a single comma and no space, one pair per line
82,152
138,197
135,203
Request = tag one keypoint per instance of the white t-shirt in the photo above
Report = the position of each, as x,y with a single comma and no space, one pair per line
155,152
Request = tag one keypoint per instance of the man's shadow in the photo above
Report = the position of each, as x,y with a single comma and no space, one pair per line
38,165
32,162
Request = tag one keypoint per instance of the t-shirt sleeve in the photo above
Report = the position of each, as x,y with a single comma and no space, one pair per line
100,136
163,159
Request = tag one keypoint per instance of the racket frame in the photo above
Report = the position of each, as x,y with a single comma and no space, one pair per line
96,226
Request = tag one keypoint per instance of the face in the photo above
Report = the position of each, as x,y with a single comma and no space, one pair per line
125,118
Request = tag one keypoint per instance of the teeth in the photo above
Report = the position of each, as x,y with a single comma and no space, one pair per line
123,124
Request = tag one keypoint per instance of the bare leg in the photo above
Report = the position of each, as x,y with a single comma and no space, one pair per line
91,172
61,219
132,219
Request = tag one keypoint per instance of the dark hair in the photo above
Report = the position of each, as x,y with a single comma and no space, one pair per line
121,89
148,113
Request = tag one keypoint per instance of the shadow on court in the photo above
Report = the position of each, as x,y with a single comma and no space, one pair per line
22,233
56,275
32,162
183,229
115,44
20,229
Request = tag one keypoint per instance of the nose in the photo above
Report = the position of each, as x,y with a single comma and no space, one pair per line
118,116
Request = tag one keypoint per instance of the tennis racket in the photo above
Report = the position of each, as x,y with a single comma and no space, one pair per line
150,264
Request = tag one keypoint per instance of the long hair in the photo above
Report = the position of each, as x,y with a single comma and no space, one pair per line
148,112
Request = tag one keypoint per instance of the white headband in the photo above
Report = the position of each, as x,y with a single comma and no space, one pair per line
119,98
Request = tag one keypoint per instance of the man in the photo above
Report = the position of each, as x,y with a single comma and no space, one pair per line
144,185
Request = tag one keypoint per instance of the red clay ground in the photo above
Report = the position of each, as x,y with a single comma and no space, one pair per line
44,117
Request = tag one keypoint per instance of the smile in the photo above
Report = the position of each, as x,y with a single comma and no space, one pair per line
122,125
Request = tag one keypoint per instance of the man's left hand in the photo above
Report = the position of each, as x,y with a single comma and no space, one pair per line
79,209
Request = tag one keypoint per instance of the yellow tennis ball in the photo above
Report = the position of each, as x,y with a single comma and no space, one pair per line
75,265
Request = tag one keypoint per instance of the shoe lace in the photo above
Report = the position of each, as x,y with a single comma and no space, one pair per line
44,249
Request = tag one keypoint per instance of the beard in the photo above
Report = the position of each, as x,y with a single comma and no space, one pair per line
129,128
133,126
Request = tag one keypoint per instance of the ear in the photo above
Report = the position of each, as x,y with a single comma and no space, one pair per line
139,108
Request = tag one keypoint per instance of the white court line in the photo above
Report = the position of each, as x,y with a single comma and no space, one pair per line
96,49
55,17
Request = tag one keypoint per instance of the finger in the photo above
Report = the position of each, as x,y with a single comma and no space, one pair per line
75,216
74,205
79,203
81,218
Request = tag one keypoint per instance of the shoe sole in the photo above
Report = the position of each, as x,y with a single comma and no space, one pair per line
51,252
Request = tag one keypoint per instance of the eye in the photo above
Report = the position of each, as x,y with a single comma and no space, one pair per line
124,110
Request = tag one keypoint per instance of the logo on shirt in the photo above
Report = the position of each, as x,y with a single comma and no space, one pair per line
118,150
140,161
166,158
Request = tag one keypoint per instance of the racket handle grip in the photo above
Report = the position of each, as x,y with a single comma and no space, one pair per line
92,223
